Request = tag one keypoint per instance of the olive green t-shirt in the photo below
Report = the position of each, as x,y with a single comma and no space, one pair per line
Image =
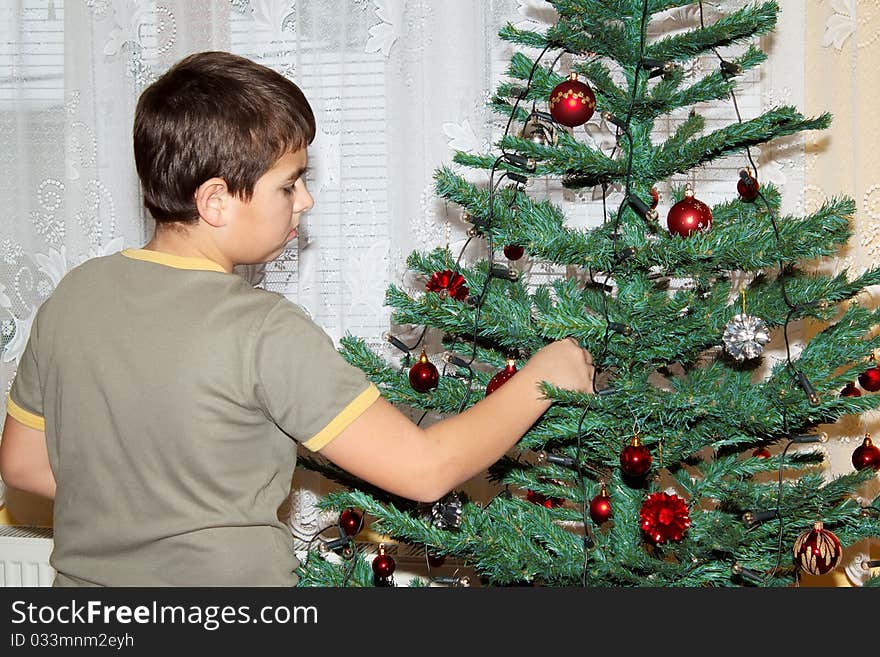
172,395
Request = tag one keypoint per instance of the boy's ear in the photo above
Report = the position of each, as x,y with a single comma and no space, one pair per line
211,200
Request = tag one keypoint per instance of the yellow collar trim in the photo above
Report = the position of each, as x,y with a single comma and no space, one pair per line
176,261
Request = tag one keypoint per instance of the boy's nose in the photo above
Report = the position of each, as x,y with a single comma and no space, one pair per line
308,202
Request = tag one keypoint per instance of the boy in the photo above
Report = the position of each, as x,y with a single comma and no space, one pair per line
160,395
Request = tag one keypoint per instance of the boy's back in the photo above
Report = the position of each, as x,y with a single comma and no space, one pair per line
161,374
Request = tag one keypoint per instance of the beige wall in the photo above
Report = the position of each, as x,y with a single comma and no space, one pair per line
842,48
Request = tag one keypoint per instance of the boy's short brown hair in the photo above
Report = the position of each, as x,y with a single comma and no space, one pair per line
214,114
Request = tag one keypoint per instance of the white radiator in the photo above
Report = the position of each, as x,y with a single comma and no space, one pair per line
25,551
24,556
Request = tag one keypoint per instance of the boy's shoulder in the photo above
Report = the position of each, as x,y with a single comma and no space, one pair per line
93,275
91,269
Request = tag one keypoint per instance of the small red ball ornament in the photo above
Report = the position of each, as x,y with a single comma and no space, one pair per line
870,379
635,459
423,375
655,198
350,522
689,216
572,102
539,498
850,390
866,455
448,282
664,517
383,564
514,251
747,186
436,560
600,506
502,377
817,551
762,453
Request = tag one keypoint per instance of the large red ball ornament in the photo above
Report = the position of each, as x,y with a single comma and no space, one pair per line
635,459
762,453
383,564
572,102
502,377
870,379
747,186
423,375
817,551
664,517
350,522
600,506
689,216
866,455
850,390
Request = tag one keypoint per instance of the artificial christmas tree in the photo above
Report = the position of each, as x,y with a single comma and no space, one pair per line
675,440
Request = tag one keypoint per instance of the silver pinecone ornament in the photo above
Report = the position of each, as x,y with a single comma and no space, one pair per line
745,336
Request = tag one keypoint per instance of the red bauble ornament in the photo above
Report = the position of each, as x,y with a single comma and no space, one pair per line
850,390
655,197
762,453
870,379
635,459
600,506
535,497
866,455
747,186
572,102
514,251
538,498
817,551
448,282
423,375
502,377
689,216
383,564
664,517
436,560
553,502
350,522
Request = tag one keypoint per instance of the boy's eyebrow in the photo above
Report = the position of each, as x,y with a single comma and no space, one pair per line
298,173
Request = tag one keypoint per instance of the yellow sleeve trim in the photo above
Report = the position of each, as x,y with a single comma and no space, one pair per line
348,415
27,418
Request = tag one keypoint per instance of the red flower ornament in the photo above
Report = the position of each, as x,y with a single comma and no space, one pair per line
448,282
664,517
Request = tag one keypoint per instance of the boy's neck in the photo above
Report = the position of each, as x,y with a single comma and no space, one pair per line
179,240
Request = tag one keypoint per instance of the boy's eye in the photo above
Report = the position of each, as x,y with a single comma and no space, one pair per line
287,190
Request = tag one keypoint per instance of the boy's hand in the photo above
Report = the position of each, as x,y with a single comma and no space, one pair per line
565,364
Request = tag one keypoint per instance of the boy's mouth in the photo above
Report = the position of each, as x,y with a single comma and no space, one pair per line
292,234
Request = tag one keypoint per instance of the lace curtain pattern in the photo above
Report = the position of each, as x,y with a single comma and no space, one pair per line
397,86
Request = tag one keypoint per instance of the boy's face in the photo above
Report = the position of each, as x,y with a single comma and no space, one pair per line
265,225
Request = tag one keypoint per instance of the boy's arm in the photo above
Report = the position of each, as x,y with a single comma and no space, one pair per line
24,459
387,449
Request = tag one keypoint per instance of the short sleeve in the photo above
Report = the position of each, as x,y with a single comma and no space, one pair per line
310,391
25,401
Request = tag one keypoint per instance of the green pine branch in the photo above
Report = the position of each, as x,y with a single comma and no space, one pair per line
745,23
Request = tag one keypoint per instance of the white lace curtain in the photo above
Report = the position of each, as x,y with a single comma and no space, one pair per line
383,77
396,85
